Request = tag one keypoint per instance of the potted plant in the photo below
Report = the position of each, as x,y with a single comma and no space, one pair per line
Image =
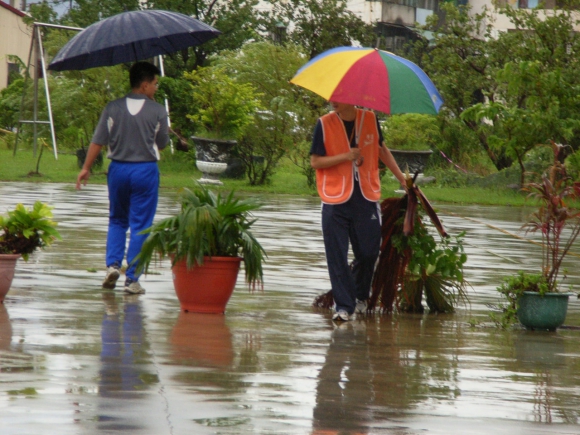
537,300
410,137
206,240
23,231
223,108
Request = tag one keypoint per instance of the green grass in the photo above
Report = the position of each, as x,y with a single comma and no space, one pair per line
178,170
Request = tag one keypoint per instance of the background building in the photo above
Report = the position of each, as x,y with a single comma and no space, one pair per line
15,37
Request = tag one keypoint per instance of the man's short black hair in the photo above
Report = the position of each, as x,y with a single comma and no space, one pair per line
142,72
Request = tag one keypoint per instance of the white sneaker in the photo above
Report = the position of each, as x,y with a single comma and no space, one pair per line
111,278
134,288
341,316
361,307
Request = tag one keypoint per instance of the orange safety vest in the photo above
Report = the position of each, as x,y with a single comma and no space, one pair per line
335,184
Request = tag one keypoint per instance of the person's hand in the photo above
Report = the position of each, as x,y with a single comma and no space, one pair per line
354,154
83,177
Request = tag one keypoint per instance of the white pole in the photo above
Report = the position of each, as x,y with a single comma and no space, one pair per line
47,92
166,102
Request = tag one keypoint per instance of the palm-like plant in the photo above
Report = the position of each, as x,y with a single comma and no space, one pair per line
557,218
207,225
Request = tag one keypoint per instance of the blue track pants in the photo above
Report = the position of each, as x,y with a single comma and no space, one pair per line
359,221
133,194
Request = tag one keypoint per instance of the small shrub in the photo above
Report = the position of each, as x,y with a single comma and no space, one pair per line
411,132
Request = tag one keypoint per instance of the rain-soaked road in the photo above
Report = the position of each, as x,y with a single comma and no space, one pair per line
75,359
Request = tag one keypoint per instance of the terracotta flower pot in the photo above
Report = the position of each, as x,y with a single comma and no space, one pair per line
206,288
7,266
202,339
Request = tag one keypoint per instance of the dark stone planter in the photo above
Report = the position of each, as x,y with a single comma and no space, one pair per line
546,312
415,160
212,156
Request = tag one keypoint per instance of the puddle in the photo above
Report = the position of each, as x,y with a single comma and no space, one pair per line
85,361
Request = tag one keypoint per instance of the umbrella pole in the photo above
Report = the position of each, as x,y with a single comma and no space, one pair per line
166,102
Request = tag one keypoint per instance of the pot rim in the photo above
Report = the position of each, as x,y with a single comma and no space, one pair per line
552,294
10,256
212,258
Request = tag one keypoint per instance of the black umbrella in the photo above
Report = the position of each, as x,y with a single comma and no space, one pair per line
131,36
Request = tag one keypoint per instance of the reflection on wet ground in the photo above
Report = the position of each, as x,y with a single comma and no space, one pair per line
75,359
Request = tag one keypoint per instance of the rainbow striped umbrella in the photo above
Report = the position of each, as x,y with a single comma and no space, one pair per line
370,78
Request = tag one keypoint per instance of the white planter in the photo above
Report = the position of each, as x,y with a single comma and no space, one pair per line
211,172
212,156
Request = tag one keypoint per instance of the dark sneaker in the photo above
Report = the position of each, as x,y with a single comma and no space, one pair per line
134,288
111,278
341,316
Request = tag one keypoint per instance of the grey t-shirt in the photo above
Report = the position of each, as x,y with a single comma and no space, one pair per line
134,128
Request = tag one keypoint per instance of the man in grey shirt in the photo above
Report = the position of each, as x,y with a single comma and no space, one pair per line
134,128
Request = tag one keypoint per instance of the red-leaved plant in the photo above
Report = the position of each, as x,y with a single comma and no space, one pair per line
557,217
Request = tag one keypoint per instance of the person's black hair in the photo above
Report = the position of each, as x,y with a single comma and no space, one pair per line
142,72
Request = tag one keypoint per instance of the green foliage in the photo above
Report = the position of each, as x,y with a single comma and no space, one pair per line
24,230
556,218
513,287
573,165
286,120
435,267
208,224
86,12
558,222
318,25
523,83
178,93
411,132
223,108
460,61
238,20
78,99
10,98
41,12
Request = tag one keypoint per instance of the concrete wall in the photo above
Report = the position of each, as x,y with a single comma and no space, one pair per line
501,23
15,39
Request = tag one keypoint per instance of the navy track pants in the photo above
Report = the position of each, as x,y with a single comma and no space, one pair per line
359,221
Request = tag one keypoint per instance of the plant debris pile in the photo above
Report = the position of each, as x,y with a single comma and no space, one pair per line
411,262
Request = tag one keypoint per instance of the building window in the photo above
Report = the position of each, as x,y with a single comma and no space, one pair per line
527,4
13,72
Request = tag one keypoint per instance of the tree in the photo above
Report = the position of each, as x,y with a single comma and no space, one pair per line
10,98
287,120
523,83
83,13
318,25
41,12
460,63
238,21
536,94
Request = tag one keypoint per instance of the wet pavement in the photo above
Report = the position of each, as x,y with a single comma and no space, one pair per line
75,359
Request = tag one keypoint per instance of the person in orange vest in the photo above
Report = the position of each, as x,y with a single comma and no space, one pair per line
346,147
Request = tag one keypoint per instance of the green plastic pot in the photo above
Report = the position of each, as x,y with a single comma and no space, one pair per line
546,312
